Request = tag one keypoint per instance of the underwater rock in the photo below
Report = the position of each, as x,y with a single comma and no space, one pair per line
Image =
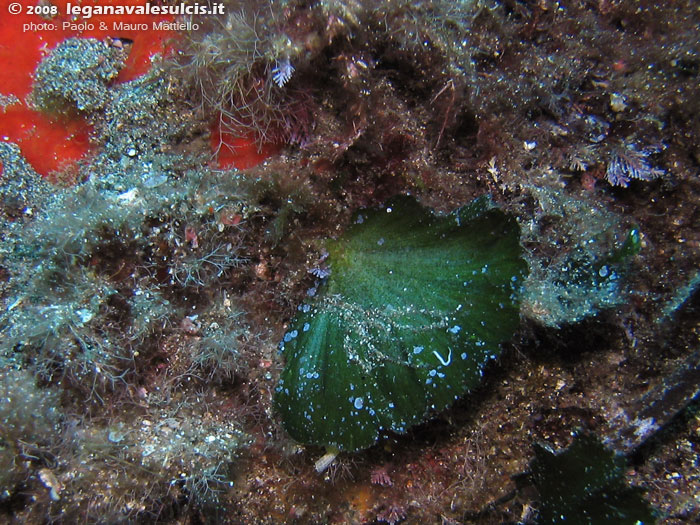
414,307
76,75
579,254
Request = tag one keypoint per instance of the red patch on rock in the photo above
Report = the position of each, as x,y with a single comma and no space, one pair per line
49,143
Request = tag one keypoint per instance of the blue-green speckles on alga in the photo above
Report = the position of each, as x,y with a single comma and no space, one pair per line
413,308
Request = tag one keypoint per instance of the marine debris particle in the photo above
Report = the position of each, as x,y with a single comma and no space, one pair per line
414,307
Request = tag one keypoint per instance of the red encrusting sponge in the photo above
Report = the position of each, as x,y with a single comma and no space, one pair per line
51,142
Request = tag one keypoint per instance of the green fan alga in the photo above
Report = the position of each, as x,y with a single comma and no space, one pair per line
414,307
585,484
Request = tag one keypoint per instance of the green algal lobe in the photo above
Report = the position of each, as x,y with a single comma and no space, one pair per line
414,307
585,485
